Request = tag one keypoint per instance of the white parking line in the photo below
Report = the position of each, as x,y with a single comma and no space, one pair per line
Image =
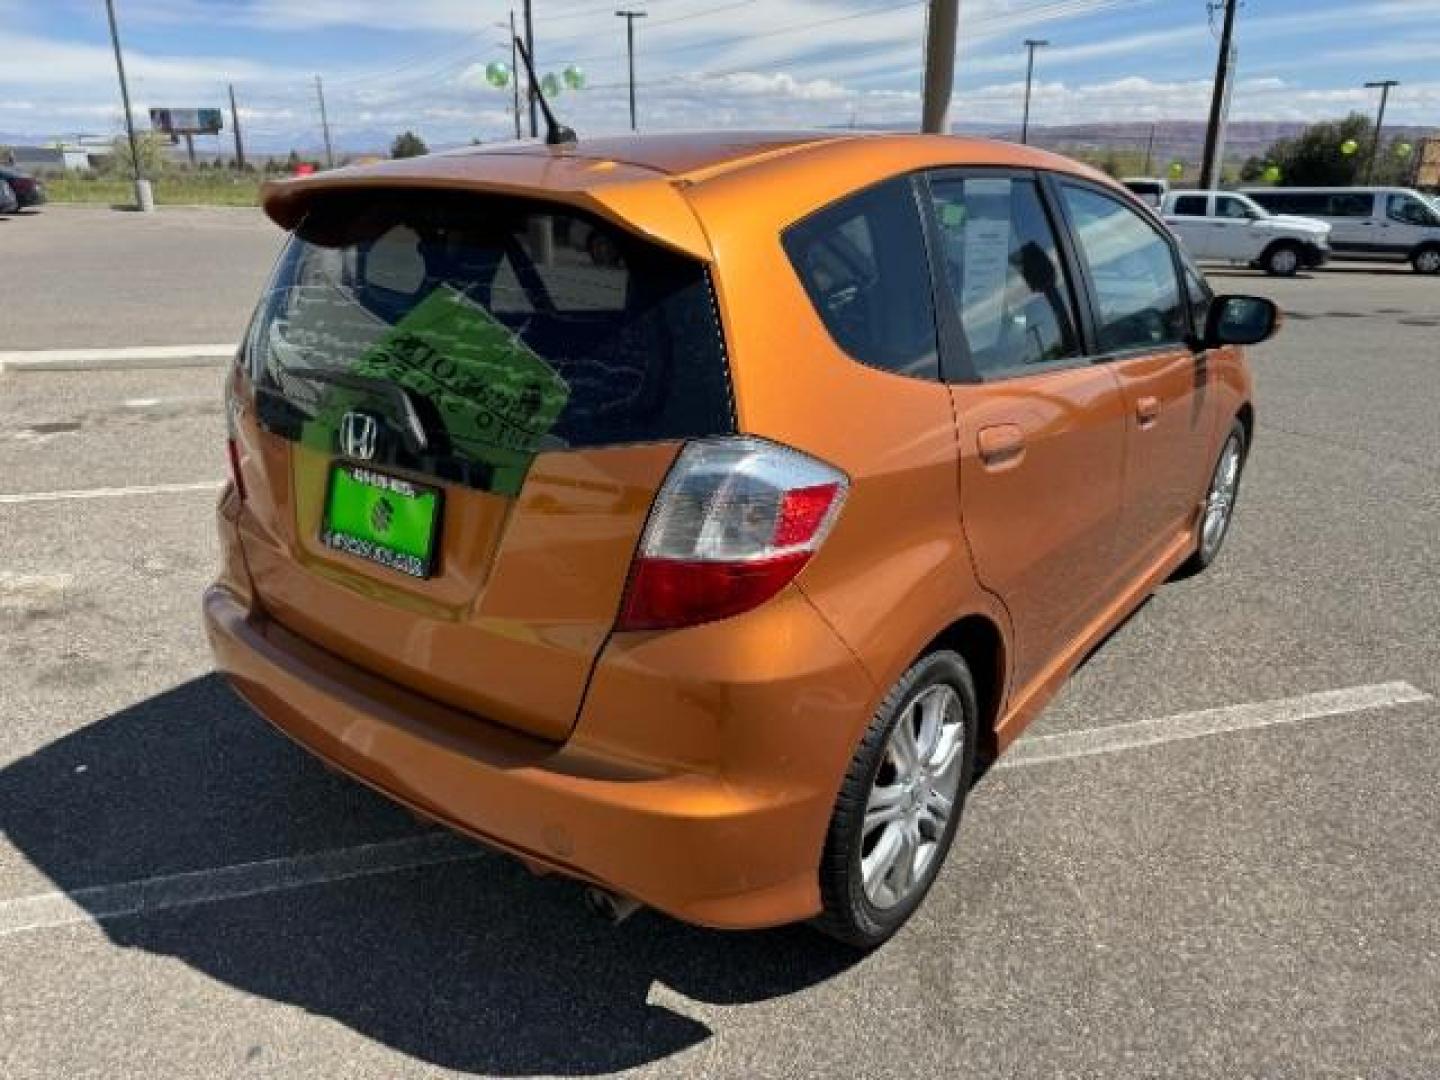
121,359
150,895
1038,749
101,902
108,493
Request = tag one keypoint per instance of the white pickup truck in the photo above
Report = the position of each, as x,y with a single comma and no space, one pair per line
1222,226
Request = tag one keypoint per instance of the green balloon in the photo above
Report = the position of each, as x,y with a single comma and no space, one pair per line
574,78
1271,174
551,85
1177,168
1349,146
1404,150
497,74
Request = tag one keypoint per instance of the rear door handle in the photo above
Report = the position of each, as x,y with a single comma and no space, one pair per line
1001,445
1147,410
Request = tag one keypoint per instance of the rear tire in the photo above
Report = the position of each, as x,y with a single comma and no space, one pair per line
1426,260
1282,260
1220,499
910,783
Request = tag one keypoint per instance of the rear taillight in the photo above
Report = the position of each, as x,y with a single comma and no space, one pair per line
735,521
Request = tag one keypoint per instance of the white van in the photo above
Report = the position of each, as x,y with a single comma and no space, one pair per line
1366,222
1223,226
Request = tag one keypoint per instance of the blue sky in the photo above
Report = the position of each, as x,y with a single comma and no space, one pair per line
395,64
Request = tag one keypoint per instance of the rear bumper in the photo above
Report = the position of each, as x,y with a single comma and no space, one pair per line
725,847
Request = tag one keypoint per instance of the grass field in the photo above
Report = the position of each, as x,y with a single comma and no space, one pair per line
191,189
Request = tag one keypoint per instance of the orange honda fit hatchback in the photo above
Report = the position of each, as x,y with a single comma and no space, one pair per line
691,514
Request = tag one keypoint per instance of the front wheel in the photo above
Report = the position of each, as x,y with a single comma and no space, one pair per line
900,802
1426,261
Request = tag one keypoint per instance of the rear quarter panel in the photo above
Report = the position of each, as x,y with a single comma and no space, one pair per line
896,570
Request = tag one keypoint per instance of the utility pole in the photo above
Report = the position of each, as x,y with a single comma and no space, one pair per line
1219,98
1031,44
630,17
235,126
325,123
939,66
514,73
1150,151
144,198
1383,86
529,82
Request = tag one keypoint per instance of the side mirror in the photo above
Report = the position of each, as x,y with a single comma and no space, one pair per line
1241,320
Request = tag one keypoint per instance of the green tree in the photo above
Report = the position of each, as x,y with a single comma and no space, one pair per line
1253,170
1316,157
408,145
153,149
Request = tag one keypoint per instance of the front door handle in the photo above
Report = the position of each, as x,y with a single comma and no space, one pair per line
1147,411
1001,445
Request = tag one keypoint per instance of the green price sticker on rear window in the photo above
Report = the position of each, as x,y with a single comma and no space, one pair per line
495,397
382,519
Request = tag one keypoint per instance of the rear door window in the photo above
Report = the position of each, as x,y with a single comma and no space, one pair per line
482,331
1003,272
1191,206
864,265
1352,204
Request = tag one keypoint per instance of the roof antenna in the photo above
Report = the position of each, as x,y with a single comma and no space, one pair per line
556,133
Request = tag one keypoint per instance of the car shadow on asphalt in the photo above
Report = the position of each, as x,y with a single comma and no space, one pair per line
474,965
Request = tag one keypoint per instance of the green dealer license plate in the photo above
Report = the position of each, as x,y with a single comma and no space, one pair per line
382,518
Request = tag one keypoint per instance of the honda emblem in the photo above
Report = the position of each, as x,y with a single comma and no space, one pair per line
359,435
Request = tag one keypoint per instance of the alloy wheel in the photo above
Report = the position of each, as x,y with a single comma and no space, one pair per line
912,796
1220,502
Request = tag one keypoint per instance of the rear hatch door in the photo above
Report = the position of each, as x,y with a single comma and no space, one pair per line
454,414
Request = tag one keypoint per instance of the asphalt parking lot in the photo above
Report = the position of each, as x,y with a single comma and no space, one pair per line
1214,856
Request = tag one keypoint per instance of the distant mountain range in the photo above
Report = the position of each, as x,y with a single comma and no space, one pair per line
1175,140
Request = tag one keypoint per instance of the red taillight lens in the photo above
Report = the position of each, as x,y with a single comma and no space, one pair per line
669,593
236,477
735,522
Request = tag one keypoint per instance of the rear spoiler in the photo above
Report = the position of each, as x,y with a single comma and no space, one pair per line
638,200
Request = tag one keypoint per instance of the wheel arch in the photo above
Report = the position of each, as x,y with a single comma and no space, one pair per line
980,641
1246,415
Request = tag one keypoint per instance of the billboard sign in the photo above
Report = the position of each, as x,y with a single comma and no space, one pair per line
187,121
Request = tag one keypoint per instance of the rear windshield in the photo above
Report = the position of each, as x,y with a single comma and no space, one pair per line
466,334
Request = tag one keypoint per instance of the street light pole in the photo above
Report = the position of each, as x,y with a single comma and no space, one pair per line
630,17
1383,86
144,198
939,66
1031,44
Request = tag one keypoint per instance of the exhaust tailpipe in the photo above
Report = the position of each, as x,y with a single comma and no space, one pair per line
610,906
